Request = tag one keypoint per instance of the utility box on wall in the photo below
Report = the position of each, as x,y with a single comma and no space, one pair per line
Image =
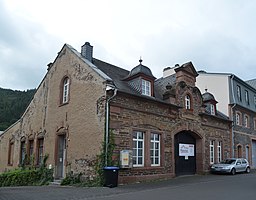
126,159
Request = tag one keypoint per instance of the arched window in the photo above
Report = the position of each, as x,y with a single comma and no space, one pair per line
246,121
238,118
187,102
239,151
65,90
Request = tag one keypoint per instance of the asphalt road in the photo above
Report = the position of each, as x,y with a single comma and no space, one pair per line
207,187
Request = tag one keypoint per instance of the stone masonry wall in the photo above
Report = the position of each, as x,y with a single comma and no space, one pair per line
81,120
130,114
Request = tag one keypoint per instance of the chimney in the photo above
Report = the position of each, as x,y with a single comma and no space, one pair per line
169,70
86,51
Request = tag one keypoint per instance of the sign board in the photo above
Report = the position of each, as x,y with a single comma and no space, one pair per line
126,159
186,150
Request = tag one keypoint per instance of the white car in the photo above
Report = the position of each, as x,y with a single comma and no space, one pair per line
232,166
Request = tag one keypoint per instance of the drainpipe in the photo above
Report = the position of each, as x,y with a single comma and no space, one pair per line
232,130
109,87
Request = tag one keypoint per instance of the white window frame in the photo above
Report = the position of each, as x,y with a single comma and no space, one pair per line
247,97
246,121
219,152
238,118
146,87
187,102
138,140
155,149
238,89
65,95
212,109
211,151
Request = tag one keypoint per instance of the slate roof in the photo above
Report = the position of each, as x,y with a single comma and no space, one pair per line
161,83
141,69
252,83
117,76
207,96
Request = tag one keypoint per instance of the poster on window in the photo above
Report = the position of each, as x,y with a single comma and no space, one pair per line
186,150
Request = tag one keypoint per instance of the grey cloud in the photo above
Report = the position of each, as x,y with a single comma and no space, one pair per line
25,50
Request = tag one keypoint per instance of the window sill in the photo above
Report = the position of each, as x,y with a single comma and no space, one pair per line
147,167
63,104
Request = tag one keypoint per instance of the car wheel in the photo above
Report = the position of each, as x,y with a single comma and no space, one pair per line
247,170
233,171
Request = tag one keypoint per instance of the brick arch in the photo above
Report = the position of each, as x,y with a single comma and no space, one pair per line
198,147
61,88
183,126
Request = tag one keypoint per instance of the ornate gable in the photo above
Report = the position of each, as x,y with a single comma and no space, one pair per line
186,73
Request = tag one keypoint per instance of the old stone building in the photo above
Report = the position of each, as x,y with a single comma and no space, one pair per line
237,99
166,125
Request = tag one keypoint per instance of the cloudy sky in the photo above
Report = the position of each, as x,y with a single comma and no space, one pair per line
217,35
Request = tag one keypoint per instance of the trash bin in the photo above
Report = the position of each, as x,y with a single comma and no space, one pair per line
111,176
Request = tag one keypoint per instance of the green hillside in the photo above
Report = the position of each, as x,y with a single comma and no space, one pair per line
12,105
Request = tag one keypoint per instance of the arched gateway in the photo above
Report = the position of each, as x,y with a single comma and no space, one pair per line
185,144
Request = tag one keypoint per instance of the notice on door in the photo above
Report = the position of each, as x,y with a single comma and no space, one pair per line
186,150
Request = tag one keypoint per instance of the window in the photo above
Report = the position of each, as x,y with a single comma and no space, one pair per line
247,153
10,153
212,109
254,124
211,152
155,149
239,151
65,90
146,87
255,100
238,118
40,149
246,121
219,158
22,152
187,102
247,97
138,149
31,150
238,89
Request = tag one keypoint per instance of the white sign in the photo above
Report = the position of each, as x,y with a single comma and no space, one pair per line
186,150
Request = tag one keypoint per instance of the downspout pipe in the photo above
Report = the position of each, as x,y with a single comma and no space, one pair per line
107,123
232,130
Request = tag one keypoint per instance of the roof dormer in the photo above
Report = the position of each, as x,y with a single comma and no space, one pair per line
209,102
141,79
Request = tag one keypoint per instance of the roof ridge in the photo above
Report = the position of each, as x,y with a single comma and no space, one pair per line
110,64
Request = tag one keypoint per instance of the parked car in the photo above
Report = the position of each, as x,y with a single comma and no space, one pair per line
232,166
